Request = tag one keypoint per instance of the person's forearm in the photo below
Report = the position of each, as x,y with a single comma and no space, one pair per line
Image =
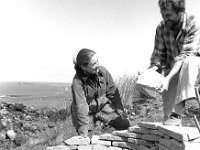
153,68
174,70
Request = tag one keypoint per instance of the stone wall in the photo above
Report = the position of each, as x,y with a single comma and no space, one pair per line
144,136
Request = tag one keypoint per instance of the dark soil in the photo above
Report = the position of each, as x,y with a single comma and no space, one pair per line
32,126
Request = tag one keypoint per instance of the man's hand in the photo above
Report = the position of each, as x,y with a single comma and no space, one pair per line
163,85
119,112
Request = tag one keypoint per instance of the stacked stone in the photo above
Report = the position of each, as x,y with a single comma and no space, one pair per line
6,126
179,138
80,143
156,136
144,136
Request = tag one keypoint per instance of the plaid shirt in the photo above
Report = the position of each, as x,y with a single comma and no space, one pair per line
168,49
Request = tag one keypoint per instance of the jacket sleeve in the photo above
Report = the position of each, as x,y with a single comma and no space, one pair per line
112,92
159,53
191,45
82,107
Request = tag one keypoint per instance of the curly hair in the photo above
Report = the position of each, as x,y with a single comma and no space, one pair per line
177,5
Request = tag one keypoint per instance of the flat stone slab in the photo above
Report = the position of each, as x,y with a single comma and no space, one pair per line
126,145
150,137
161,147
96,140
156,132
141,142
111,137
77,140
60,147
176,145
126,133
138,129
150,125
142,147
97,147
180,133
171,143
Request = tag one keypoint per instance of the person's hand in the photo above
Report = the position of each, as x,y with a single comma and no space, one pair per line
82,136
83,131
163,85
119,112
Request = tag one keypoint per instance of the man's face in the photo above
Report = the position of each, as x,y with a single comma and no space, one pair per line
170,17
92,67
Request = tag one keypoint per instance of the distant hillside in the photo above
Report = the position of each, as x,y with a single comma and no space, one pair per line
34,89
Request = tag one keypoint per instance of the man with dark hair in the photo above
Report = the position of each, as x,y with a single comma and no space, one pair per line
176,54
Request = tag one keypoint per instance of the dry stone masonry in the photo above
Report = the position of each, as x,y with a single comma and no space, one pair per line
143,136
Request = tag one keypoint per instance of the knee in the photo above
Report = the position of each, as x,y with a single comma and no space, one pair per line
191,61
120,123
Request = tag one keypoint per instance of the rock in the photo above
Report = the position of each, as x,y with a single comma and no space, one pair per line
37,141
180,133
27,118
138,129
125,133
4,122
19,140
2,136
60,147
126,145
150,137
96,140
110,137
78,140
3,112
11,134
149,125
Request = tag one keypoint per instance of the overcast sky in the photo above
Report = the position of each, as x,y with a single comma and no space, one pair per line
39,38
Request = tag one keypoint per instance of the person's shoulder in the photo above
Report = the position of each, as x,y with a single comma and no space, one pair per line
76,80
103,69
193,20
161,25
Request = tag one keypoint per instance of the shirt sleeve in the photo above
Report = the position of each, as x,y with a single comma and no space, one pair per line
159,53
82,107
191,45
112,92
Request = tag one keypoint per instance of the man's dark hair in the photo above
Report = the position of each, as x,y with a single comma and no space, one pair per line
177,5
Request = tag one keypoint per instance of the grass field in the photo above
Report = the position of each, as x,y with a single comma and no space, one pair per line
36,94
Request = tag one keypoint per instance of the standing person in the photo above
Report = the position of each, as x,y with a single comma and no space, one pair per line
95,96
176,54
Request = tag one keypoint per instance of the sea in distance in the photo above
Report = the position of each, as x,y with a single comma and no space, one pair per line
36,94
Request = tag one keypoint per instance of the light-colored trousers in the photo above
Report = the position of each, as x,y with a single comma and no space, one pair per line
181,87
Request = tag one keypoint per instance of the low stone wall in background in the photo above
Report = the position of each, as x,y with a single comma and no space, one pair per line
144,136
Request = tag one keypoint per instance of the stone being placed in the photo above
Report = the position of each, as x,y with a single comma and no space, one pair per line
78,140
